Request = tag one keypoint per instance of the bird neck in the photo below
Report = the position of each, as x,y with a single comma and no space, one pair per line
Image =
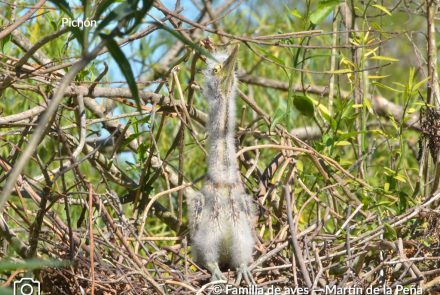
222,161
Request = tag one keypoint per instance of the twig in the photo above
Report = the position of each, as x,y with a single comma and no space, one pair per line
297,250
92,243
21,20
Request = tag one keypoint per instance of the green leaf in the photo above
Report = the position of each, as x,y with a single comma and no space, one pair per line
304,105
400,178
342,143
296,13
30,264
300,165
124,66
279,115
386,58
420,84
5,41
324,111
6,291
389,233
322,11
269,55
385,87
384,9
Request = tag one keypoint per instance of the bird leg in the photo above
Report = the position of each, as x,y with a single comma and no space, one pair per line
244,272
215,271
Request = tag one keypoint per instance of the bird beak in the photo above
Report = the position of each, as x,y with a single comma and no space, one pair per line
229,69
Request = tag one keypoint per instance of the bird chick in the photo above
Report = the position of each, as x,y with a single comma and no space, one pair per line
220,217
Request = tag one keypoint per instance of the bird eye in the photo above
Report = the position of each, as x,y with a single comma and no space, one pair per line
217,68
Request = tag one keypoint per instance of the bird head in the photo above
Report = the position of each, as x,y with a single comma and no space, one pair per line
220,73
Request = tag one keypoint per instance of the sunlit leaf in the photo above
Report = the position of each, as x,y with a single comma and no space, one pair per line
385,87
322,11
384,9
400,178
418,84
342,143
386,58
296,13
377,77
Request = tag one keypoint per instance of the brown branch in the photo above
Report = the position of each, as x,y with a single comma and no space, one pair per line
21,20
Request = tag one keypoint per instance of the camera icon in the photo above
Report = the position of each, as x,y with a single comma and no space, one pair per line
27,286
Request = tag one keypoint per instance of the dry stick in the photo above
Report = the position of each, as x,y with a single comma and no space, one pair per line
185,120
92,243
431,284
268,255
349,273
296,247
409,264
333,61
22,116
348,219
320,267
11,278
81,117
359,88
21,20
